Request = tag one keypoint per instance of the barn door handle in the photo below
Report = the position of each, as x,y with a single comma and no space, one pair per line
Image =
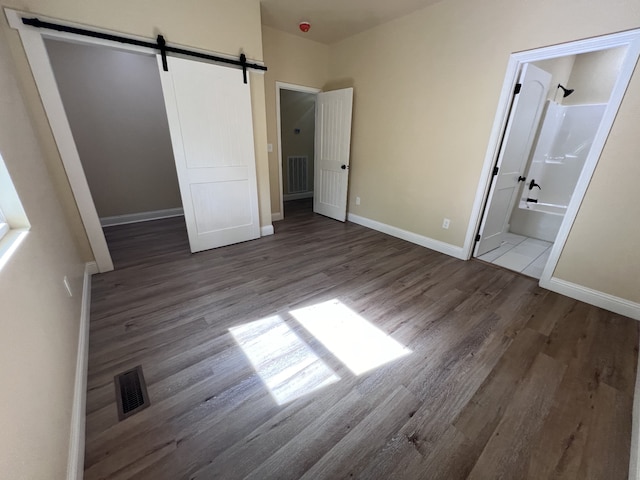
344,167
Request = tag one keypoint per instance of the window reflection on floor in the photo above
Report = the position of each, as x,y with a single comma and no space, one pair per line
290,368
353,340
287,365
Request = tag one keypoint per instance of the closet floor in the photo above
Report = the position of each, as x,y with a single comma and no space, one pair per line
520,254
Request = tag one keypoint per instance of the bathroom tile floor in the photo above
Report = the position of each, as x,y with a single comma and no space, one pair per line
521,254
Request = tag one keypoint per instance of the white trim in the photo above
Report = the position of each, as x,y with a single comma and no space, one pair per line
4,228
437,245
491,155
295,88
141,217
608,118
275,217
75,461
297,196
38,58
630,39
593,297
266,230
634,460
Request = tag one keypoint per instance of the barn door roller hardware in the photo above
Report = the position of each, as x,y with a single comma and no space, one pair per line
160,45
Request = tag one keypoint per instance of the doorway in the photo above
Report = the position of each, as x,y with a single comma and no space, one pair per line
587,80
295,111
115,108
297,131
578,88
331,147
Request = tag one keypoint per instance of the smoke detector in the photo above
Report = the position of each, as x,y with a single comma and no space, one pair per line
304,26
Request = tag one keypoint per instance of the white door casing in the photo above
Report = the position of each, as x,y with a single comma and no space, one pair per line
332,149
209,112
520,132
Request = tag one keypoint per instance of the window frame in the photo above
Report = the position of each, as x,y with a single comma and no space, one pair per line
4,226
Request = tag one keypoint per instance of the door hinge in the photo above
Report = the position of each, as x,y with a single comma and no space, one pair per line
517,89
495,170
477,237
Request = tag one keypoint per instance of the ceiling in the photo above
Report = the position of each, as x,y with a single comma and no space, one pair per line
334,20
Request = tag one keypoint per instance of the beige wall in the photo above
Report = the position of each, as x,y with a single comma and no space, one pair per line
297,111
602,250
594,75
560,70
113,100
426,91
289,59
40,324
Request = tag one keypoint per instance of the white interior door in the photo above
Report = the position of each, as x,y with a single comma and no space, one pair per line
209,113
332,146
512,160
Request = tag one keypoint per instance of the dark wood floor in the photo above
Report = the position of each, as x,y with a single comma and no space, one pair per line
504,379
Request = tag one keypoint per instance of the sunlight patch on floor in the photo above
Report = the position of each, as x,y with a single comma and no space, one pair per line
287,365
353,340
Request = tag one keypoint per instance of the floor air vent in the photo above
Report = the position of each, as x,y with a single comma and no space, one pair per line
131,392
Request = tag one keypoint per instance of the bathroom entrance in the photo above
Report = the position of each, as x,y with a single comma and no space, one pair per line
554,119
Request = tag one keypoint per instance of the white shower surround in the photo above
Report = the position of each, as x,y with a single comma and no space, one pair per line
564,142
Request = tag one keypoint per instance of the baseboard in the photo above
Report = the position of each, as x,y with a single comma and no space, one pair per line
91,268
593,297
75,462
275,217
297,196
634,458
437,245
266,230
140,217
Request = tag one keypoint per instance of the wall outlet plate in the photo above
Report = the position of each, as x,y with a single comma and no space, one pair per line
445,223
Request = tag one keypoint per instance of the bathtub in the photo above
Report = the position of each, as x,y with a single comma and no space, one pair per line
550,208
537,220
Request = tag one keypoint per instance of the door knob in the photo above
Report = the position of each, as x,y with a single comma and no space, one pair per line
521,179
344,167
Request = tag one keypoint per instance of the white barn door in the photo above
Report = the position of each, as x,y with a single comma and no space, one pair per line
209,113
332,147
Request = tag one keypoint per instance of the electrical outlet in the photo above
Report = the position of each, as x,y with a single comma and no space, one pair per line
270,147
65,280
357,200
445,223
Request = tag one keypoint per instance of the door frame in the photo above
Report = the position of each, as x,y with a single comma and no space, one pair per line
33,43
296,88
630,39
528,74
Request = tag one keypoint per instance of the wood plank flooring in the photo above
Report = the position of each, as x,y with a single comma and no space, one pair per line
504,380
